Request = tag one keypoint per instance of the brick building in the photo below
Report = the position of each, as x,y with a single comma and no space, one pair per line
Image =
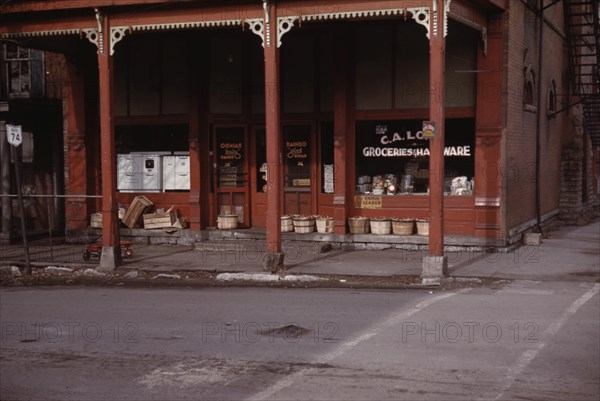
296,107
30,97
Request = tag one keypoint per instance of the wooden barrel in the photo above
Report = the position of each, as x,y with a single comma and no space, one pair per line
287,225
227,222
381,227
304,225
358,225
325,225
403,227
422,227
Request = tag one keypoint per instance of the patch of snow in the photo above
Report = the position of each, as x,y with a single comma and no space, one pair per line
132,274
467,280
55,269
14,270
263,277
92,272
268,278
305,278
163,275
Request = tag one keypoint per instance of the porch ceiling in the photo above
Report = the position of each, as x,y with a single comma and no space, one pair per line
33,19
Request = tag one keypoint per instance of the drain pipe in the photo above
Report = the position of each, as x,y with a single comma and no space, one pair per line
538,124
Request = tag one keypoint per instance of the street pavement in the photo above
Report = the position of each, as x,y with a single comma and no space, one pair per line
525,339
529,332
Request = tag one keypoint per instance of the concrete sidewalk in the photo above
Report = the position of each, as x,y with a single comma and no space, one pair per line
568,253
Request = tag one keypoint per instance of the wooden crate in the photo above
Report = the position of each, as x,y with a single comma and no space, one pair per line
138,206
96,218
160,220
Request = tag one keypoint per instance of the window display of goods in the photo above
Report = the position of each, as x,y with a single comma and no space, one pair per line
364,179
461,186
363,188
378,187
408,183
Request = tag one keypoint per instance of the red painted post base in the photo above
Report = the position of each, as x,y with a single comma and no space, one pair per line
273,262
433,269
110,258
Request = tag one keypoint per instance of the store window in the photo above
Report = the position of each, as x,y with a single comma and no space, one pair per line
327,176
161,139
24,75
261,160
297,156
298,74
225,72
392,158
529,90
152,158
151,76
552,99
230,149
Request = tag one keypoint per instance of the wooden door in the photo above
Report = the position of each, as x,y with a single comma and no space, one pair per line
298,169
258,176
230,172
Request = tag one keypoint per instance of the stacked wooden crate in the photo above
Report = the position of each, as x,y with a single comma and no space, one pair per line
160,219
138,207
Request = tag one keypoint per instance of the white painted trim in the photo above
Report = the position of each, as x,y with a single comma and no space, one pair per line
117,33
446,12
185,25
284,25
421,15
92,35
55,32
352,14
257,25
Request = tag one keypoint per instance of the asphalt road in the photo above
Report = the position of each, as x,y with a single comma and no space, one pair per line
534,340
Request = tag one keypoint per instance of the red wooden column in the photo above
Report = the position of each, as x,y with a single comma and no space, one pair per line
435,264
274,257
74,137
111,251
197,138
341,127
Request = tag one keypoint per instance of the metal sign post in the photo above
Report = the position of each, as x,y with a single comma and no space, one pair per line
15,137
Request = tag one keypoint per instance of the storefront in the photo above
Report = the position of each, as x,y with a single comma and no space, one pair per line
345,90
385,97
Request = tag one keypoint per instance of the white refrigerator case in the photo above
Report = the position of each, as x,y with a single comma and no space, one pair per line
129,173
151,173
176,173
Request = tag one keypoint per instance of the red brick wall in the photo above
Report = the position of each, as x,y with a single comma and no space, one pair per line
519,169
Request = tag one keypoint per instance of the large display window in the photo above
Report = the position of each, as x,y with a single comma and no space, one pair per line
392,157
